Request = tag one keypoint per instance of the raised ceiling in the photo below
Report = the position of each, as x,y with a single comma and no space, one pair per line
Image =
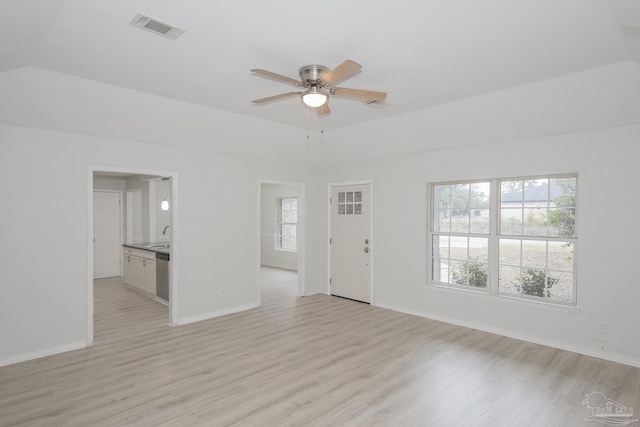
64,63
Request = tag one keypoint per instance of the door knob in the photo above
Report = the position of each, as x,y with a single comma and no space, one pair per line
366,249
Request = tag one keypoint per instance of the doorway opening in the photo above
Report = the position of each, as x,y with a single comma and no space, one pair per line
146,209
107,226
281,220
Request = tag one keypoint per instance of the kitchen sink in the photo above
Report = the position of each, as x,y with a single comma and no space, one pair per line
164,246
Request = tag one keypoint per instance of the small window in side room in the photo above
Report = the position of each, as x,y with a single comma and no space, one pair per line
287,226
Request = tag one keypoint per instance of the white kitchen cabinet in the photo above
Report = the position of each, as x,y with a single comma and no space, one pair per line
150,275
139,269
127,268
138,272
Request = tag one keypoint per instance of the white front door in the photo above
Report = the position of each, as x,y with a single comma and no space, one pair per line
350,242
106,234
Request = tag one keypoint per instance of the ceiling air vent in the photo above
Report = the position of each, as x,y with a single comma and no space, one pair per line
156,26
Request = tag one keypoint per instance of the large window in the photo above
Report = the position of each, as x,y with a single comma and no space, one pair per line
511,237
287,223
460,233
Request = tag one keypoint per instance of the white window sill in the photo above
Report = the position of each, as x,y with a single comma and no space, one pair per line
507,299
287,250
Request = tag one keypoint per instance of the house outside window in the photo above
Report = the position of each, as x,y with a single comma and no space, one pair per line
287,225
512,237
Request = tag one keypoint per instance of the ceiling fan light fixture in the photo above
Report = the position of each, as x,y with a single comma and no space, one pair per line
314,97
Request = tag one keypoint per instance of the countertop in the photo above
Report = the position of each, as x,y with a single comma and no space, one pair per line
145,247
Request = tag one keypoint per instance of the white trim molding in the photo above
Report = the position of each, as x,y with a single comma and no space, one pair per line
44,353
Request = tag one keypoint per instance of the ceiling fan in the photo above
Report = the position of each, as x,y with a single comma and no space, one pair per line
317,82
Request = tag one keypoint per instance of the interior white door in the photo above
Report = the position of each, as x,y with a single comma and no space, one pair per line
106,234
350,242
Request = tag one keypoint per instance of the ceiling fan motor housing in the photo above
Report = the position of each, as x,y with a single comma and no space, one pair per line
313,74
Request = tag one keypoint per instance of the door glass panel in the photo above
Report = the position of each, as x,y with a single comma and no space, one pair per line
350,203
350,197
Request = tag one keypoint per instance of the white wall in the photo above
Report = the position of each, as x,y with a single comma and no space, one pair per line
44,256
110,183
159,219
268,227
141,183
153,191
608,280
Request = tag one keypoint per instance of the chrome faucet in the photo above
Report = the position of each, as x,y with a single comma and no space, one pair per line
165,230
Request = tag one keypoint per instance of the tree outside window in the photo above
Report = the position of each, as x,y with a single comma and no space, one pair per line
512,237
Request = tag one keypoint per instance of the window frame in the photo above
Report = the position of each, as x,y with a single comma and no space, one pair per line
494,237
469,235
280,223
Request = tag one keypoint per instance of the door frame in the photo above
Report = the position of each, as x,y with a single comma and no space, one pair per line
301,234
175,241
121,213
371,238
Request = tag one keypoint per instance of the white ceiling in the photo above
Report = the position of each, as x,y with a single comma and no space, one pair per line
455,71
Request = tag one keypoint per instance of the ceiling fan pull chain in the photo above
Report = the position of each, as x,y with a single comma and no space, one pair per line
308,128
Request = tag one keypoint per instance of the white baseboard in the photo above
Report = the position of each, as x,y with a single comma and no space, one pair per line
606,355
217,313
316,292
43,353
280,266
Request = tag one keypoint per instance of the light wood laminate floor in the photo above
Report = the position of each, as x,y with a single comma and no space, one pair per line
313,361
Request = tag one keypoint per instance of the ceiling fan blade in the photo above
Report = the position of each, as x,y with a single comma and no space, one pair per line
277,77
342,72
365,95
323,110
275,97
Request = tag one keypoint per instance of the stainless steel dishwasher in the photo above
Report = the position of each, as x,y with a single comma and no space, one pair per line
162,275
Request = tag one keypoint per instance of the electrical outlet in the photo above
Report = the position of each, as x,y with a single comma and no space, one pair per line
601,327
